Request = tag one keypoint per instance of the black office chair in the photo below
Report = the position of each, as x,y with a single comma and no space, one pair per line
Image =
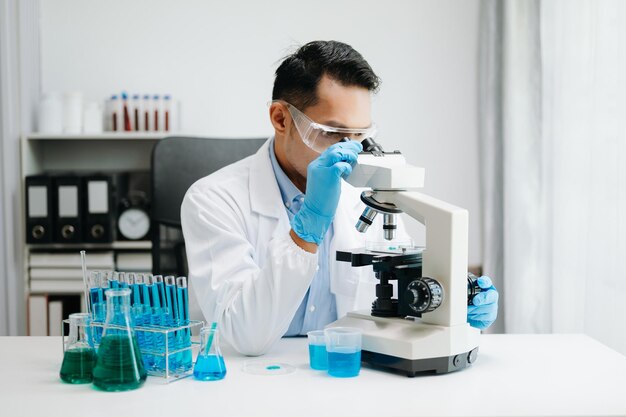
178,162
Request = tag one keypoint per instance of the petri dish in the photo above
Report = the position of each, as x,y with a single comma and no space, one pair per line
268,368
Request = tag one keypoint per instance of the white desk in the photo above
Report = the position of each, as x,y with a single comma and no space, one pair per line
515,375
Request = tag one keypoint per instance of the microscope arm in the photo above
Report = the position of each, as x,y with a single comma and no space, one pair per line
445,257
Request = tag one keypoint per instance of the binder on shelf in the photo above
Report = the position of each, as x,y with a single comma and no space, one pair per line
68,221
98,210
39,209
56,286
38,315
55,317
95,260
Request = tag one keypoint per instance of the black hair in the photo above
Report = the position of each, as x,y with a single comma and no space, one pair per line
299,74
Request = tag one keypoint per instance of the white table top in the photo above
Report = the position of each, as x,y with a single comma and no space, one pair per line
515,375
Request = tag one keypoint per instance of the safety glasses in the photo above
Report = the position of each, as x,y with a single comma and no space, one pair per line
318,136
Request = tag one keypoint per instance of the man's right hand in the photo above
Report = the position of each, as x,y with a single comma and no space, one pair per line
323,188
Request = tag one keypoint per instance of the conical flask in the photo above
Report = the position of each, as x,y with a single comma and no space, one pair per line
119,366
79,355
210,364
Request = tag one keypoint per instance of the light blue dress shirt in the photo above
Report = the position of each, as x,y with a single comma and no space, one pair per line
318,308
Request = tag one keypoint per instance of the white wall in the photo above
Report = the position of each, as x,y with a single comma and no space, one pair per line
218,58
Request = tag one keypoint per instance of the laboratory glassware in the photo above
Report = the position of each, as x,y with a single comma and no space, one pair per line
119,366
79,355
343,345
318,357
210,364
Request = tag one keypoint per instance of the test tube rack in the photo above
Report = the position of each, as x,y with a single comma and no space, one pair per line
157,361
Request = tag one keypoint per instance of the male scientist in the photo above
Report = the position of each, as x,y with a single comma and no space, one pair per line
261,234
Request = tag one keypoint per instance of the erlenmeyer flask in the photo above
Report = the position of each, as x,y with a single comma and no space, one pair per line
210,364
118,366
79,355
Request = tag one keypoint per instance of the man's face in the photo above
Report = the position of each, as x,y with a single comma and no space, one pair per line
337,106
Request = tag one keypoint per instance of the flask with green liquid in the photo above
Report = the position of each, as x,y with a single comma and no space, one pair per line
79,356
119,366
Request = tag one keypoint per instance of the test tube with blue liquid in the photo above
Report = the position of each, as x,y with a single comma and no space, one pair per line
97,285
143,297
172,321
113,278
183,311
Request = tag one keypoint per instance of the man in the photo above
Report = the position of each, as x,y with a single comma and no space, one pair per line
261,233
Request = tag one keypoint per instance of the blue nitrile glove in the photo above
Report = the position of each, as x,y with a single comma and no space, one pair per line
484,310
323,188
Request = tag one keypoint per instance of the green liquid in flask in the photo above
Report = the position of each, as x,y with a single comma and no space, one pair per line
78,365
119,366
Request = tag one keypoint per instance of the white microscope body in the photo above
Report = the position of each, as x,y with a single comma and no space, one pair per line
437,341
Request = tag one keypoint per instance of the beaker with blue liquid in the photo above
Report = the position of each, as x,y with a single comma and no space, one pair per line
343,345
210,365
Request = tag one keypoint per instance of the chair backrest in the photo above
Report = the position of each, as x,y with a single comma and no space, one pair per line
178,162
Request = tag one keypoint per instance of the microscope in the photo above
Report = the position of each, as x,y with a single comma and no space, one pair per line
425,329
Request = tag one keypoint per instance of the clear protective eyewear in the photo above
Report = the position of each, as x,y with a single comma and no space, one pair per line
320,137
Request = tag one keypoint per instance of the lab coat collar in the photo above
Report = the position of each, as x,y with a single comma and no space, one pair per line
265,196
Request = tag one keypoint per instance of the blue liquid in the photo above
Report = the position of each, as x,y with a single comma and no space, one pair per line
318,357
209,368
344,365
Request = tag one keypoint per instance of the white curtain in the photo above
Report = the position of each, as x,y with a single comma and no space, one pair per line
19,93
553,138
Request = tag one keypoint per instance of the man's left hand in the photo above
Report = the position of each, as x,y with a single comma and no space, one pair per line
484,310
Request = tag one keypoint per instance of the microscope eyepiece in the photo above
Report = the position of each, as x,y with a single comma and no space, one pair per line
369,145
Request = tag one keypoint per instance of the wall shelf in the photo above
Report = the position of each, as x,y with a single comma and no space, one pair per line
117,245
102,136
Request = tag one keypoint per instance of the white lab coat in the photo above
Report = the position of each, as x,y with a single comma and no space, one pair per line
236,230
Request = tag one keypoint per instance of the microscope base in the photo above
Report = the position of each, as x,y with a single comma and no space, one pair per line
413,346
414,367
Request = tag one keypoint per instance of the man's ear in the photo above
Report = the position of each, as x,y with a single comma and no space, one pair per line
278,117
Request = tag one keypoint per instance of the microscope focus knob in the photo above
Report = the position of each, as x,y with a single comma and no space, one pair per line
424,295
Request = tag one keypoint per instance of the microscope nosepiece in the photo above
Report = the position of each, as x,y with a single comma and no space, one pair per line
366,219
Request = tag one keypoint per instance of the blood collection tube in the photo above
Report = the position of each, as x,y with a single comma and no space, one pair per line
146,113
126,113
167,111
136,108
114,103
156,100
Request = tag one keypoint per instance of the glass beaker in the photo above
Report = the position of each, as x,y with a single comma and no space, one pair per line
119,366
343,345
210,364
79,356
318,357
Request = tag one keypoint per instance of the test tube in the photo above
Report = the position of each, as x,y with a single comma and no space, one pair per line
136,112
183,312
167,111
146,112
126,113
141,301
156,101
123,280
114,115
172,314
95,292
113,278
